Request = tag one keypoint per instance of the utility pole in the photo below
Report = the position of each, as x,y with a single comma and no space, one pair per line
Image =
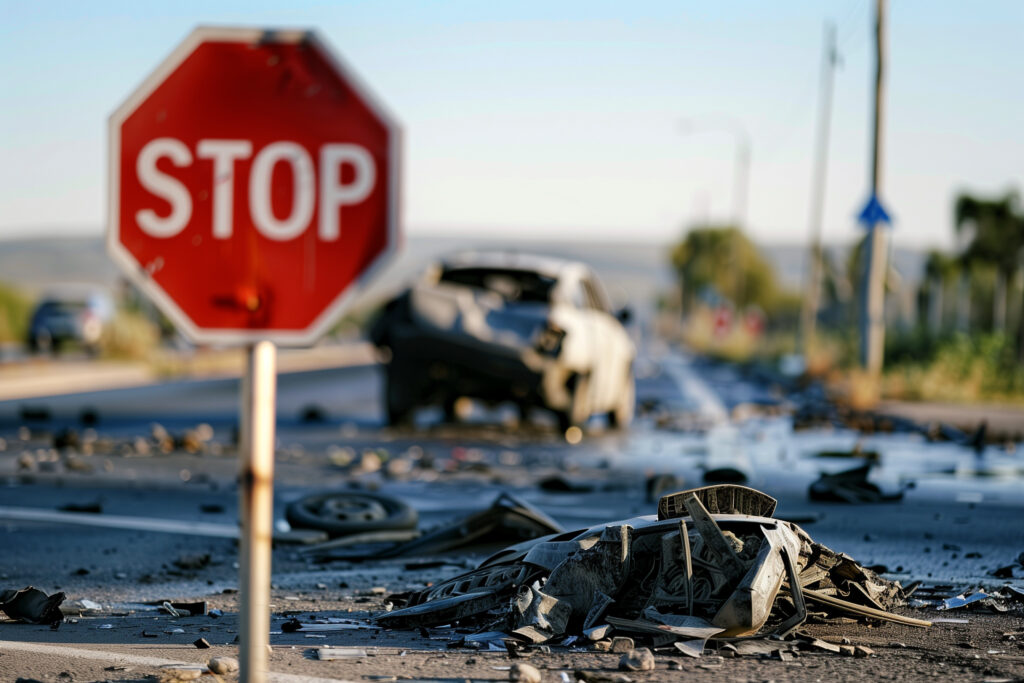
872,313
809,311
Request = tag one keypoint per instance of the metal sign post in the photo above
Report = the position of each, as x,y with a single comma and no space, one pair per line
256,478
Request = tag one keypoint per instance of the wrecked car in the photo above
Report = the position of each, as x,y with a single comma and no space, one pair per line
499,326
713,562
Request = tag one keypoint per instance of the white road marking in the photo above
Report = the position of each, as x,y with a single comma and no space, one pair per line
706,402
169,526
138,660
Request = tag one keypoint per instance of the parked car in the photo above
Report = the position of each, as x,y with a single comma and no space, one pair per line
500,326
71,314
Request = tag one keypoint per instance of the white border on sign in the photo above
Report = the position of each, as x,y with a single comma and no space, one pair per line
136,272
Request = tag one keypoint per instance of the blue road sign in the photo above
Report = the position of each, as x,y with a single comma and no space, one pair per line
873,213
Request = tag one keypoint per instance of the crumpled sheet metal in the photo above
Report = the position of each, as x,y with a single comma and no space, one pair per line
733,572
31,605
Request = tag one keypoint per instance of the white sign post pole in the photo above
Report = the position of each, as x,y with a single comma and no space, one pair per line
256,478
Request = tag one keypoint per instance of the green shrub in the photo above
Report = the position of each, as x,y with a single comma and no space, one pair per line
129,336
15,309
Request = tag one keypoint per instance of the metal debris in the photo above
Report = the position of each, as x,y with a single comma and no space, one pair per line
712,564
507,520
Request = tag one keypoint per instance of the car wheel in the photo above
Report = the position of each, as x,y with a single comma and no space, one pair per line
399,396
42,341
578,412
346,513
622,415
451,415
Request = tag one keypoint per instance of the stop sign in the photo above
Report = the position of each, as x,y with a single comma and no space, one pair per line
253,186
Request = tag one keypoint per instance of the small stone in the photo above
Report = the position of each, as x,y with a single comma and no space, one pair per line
846,641
177,673
602,646
598,632
621,644
223,665
202,644
523,673
673,665
862,651
898,645
641,659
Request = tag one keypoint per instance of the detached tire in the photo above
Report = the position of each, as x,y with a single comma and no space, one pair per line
350,512
399,395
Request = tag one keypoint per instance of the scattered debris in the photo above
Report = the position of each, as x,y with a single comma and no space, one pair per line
850,486
330,653
31,605
640,659
507,520
95,508
523,673
223,665
192,561
178,673
712,564
201,644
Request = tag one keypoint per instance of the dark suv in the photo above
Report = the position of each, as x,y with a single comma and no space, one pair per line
76,316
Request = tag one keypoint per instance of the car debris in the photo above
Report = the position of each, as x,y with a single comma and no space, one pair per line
507,520
342,513
713,563
850,486
32,605
504,326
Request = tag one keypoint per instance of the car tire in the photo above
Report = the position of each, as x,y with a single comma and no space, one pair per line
350,512
622,414
578,412
399,396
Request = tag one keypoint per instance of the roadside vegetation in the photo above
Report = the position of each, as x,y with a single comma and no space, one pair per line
956,334
15,308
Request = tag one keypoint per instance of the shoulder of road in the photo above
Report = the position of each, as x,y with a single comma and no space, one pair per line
51,377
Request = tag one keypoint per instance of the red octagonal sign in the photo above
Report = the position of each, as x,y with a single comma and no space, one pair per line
253,186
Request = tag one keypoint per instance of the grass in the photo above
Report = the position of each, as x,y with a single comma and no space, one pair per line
15,309
957,368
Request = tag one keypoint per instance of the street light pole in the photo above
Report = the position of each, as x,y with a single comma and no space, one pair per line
872,315
809,312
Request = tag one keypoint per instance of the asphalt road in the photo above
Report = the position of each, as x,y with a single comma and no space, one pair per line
960,520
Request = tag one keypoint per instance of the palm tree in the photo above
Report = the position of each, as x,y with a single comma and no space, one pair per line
939,268
997,239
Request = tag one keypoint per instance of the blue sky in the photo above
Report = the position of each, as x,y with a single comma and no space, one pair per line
564,119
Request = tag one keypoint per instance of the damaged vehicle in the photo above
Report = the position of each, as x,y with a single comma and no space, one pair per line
713,562
500,326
